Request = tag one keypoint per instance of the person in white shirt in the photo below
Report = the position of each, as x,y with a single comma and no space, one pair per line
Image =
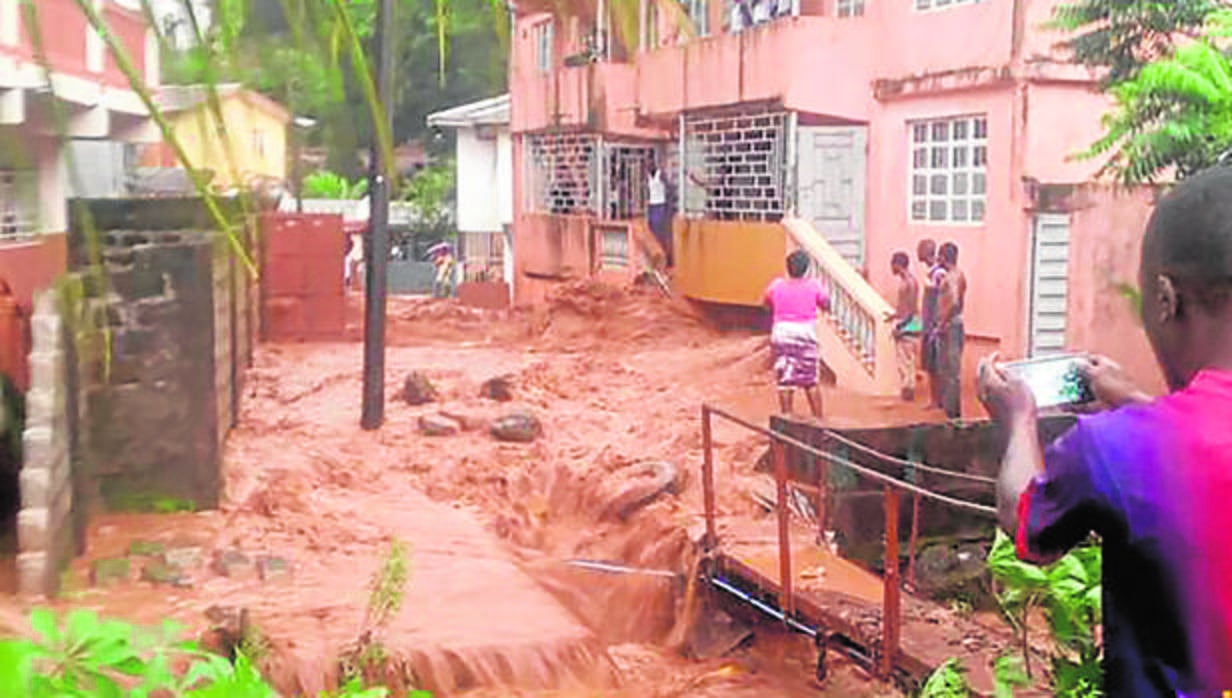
656,210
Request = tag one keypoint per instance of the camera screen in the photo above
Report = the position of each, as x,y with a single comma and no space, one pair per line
1054,382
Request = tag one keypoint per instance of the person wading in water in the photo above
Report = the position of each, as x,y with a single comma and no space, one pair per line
793,302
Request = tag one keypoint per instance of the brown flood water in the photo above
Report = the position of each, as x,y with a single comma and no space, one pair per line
617,378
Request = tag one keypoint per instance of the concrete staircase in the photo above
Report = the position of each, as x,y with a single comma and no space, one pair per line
857,341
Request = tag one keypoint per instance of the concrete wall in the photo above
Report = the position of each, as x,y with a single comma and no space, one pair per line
44,533
485,181
64,29
728,261
1105,248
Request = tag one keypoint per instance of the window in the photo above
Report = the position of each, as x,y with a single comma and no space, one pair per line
258,142
735,165
18,203
949,159
560,172
699,15
850,8
925,5
615,250
625,174
543,37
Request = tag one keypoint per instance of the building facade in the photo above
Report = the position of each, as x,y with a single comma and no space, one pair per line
484,157
850,128
80,95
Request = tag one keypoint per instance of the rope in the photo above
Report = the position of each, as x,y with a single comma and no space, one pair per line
862,470
887,458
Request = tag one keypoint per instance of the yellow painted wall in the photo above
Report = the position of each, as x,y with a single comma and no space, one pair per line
728,261
257,139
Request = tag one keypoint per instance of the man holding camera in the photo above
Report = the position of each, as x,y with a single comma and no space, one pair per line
1153,478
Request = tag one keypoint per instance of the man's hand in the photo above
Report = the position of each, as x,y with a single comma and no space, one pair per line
1110,383
1005,397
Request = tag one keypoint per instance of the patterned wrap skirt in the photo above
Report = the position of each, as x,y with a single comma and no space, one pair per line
796,355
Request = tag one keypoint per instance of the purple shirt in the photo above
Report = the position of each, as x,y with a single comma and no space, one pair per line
796,300
1155,482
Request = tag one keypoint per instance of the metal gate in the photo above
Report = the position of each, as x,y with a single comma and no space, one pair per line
1049,283
831,165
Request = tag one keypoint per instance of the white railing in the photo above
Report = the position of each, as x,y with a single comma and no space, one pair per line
857,312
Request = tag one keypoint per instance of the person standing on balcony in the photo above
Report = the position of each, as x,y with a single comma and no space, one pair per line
926,252
950,302
793,303
1152,477
656,210
906,323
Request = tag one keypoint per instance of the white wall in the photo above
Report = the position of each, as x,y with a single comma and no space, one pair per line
52,186
485,182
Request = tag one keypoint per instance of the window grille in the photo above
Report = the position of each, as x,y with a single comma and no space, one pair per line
735,166
561,172
924,5
699,14
739,15
626,169
483,256
850,8
542,34
949,159
18,203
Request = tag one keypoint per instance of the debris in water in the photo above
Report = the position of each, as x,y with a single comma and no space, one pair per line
519,427
437,425
418,390
499,388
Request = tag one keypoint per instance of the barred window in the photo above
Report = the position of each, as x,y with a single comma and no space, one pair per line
18,203
559,172
543,36
699,15
850,8
949,161
626,168
483,256
735,166
924,5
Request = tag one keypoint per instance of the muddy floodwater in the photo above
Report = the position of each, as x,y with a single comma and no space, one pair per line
616,378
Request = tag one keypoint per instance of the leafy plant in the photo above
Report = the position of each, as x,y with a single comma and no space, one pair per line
948,681
1176,114
87,657
329,185
367,657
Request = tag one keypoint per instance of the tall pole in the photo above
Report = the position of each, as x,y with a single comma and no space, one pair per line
377,252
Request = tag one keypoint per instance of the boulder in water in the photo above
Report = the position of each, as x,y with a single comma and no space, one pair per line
499,389
437,425
519,427
418,390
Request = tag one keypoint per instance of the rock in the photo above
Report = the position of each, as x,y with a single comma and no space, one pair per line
518,427
437,425
235,565
185,558
273,568
418,390
499,389
160,572
468,422
944,570
110,570
146,548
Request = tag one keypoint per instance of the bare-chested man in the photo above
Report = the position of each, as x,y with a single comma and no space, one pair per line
950,305
929,350
906,323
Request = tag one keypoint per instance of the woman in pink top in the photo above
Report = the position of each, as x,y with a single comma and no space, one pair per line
794,302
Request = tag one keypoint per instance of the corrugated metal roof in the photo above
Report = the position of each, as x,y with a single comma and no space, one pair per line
491,111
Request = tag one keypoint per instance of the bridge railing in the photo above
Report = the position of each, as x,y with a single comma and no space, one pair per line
892,488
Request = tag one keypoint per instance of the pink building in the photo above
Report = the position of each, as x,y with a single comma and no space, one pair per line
850,128
88,87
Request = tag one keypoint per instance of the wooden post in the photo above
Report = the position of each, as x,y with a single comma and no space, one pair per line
783,509
708,479
890,606
912,544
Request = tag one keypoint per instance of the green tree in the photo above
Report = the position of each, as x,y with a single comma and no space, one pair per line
1176,114
1123,35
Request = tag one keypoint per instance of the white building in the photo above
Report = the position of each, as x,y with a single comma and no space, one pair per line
175,23
485,187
